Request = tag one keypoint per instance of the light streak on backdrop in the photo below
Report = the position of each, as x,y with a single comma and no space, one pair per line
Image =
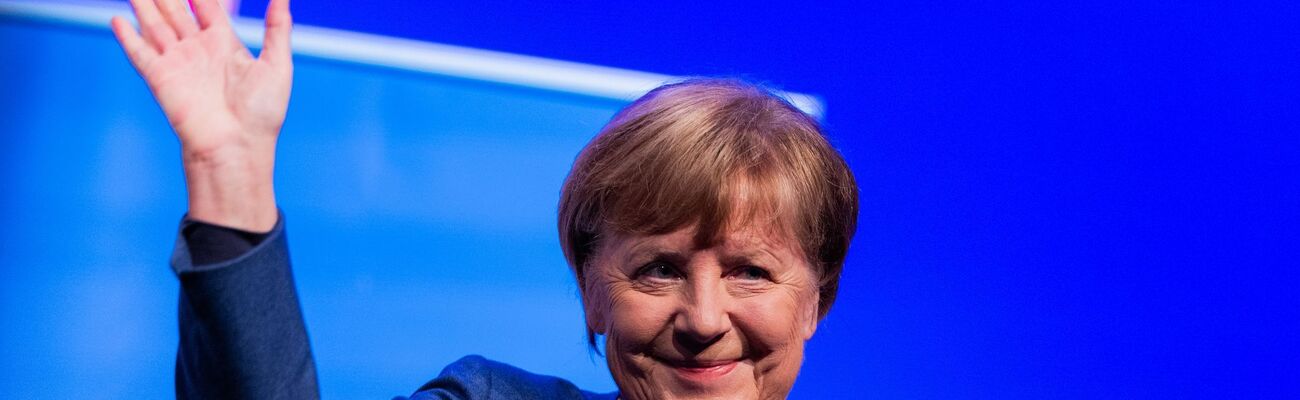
419,183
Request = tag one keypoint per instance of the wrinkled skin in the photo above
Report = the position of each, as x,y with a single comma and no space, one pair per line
722,322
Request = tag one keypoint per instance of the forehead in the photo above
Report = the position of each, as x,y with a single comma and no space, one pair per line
744,241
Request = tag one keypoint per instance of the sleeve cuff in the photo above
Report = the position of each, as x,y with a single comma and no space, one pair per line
202,246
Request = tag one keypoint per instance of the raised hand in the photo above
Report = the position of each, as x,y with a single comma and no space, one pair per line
225,106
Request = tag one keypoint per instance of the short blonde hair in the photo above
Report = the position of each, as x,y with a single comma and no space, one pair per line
716,153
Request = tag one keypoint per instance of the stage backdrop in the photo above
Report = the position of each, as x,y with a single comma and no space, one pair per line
1061,200
420,211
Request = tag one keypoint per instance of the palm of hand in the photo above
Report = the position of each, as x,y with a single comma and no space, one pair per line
210,83
214,93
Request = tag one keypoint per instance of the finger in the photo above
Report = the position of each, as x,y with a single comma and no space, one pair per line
179,18
279,25
210,14
156,31
137,50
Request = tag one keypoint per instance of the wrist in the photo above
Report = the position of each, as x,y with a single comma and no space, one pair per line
232,186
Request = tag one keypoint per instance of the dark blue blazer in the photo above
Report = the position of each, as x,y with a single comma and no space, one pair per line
242,336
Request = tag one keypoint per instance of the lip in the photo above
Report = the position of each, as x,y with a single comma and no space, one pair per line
704,371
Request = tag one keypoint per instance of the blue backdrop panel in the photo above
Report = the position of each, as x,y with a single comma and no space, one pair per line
1065,200
420,211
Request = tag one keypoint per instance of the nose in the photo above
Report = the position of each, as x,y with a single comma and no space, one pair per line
704,318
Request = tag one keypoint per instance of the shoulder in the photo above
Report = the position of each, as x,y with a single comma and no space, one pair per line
476,377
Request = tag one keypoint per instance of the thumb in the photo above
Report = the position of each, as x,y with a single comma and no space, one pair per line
275,45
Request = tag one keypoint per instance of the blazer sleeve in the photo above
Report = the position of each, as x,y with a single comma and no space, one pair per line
242,334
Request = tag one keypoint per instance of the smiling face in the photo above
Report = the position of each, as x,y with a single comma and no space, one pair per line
684,321
707,225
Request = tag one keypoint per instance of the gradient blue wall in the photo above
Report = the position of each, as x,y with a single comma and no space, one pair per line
1089,200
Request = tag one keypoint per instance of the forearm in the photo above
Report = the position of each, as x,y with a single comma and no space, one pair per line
242,333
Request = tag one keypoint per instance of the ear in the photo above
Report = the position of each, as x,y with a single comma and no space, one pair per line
811,318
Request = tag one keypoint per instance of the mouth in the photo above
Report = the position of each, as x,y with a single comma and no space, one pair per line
702,371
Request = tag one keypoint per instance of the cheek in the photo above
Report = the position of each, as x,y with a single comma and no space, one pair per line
775,326
773,322
784,315
637,324
636,319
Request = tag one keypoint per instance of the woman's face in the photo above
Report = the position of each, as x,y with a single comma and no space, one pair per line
682,322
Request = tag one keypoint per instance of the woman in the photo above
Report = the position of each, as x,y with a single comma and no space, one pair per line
706,226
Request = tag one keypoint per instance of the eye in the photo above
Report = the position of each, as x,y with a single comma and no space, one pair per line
658,270
752,273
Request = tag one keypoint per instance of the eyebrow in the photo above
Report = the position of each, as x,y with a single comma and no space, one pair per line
752,256
656,253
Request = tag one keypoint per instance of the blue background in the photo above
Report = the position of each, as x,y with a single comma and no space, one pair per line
1059,200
